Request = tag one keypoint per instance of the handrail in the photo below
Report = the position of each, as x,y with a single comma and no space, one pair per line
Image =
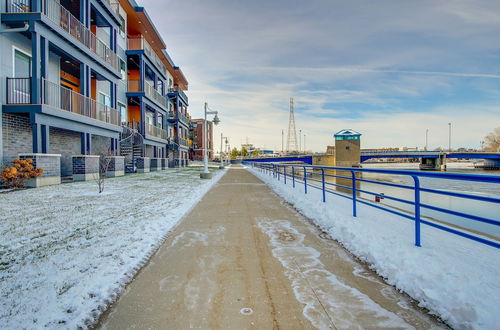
140,43
63,98
156,131
134,86
314,177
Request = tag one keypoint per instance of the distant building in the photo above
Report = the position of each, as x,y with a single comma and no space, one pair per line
197,133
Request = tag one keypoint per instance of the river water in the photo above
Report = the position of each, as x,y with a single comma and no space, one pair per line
487,210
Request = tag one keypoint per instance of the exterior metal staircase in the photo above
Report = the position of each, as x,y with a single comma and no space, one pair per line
131,145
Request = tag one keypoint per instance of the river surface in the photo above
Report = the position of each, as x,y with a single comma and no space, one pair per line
479,208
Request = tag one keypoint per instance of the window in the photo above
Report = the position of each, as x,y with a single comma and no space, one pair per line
123,69
122,26
22,65
104,99
159,121
149,117
170,83
123,112
159,86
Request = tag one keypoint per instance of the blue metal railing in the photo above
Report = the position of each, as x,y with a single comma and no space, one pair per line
317,177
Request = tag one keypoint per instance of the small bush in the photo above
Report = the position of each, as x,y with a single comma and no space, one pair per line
21,171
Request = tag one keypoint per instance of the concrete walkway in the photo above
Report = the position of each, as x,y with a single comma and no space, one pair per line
244,259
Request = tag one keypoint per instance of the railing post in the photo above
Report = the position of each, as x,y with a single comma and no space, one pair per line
284,173
293,176
354,208
323,184
305,180
278,167
417,210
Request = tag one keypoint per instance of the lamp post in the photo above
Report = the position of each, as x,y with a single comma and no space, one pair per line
300,140
221,166
206,174
304,144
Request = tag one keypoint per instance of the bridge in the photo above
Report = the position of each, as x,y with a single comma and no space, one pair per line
365,155
430,160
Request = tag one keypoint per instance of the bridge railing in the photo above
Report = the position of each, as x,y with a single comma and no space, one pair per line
347,185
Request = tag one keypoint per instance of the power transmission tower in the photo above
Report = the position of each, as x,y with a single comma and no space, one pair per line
291,143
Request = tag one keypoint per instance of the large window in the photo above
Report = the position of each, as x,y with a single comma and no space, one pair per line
150,117
22,65
123,69
123,112
159,121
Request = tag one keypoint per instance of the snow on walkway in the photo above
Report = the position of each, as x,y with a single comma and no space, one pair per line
66,251
453,277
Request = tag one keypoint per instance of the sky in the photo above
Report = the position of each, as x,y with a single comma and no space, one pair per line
390,70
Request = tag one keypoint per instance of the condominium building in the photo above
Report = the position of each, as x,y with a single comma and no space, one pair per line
87,77
199,139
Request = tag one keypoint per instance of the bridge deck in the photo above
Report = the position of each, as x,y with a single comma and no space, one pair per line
244,259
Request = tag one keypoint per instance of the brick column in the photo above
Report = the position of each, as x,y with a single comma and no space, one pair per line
155,164
51,165
85,167
116,166
143,164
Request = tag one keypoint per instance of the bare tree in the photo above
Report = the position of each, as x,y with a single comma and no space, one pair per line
492,140
105,159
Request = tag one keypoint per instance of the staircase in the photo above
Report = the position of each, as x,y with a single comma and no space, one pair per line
130,147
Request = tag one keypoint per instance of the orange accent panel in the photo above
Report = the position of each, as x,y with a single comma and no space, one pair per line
134,75
134,113
72,81
93,89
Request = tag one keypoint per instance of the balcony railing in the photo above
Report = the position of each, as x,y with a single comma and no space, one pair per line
177,89
61,98
182,142
152,93
140,43
156,131
69,23
134,86
18,90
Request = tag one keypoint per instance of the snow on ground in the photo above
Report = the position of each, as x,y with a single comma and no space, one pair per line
66,251
453,277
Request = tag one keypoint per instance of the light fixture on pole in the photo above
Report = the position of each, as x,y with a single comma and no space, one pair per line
206,174
221,166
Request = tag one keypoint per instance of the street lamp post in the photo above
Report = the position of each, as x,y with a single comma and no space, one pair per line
206,174
221,166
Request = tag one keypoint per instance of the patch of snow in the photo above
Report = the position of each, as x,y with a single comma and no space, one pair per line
327,300
453,277
67,251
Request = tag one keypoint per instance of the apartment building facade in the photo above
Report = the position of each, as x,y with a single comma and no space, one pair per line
199,140
85,78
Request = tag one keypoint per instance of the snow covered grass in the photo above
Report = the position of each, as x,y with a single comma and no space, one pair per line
453,277
66,251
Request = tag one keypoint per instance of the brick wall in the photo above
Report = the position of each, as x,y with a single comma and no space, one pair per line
67,143
16,135
101,145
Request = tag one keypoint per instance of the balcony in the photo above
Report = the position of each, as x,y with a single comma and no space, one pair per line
180,92
134,86
140,43
158,132
61,98
181,142
69,23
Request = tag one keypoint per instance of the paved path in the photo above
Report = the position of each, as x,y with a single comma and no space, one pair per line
244,259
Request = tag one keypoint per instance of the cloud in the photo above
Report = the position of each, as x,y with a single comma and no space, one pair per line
390,69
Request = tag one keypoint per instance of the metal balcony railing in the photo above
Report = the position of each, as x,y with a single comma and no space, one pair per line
152,93
134,86
55,12
182,142
63,98
156,131
182,95
18,90
140,43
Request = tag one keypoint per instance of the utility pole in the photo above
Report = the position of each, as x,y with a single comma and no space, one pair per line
426,139
449,137
304,143
291,144
300,140
282,137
